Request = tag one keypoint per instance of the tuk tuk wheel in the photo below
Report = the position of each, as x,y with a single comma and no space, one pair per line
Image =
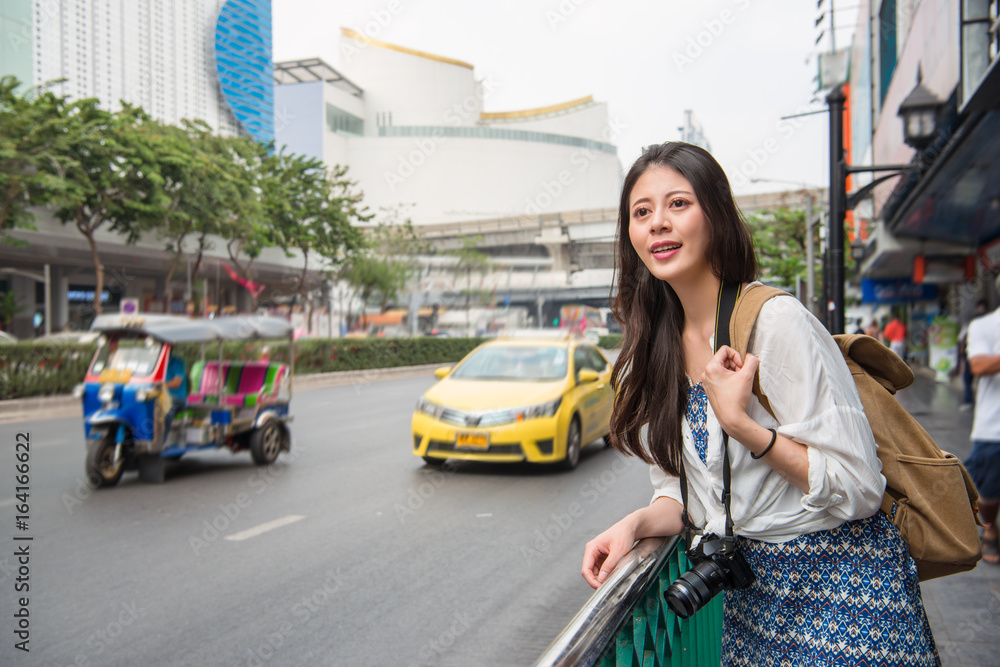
101,467
265,443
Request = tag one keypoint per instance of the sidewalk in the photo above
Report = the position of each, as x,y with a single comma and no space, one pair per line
963,609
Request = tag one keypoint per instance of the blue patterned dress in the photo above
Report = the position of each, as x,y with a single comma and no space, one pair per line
848,596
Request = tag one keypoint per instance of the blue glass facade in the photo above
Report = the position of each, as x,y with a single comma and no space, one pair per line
243,61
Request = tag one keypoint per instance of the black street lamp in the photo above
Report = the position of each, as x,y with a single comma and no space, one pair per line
920,112
858,250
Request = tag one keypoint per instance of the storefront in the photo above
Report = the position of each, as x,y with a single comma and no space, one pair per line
81,304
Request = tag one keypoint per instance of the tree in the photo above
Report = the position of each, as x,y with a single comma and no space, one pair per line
384,264
110,178
206,186
470,259
9,307
780,237
248,231
312,210
32,153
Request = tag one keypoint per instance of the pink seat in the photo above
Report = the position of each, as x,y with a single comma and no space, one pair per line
209,386
251,383
252,379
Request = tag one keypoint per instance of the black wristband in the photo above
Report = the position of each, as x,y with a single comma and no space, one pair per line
774,437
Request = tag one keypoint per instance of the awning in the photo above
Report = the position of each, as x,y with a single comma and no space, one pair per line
178,329
958,199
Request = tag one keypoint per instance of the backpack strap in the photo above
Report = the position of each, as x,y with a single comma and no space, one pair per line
751,300
729,294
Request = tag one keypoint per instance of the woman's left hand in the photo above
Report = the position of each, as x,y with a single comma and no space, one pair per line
728,383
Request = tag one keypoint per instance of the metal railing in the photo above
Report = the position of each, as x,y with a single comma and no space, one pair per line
626,621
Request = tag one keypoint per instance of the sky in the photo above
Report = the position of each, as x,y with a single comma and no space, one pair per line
738,65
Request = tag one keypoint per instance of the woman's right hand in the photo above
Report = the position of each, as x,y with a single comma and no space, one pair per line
602,553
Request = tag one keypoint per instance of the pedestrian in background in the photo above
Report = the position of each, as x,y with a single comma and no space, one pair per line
806,483
873,330
963,358
984,462
895,334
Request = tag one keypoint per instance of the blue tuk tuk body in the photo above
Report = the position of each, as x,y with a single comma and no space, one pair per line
132,423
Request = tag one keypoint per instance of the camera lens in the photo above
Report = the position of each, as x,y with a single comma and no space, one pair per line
689,592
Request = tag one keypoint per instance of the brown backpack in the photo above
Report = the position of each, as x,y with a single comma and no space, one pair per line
937,511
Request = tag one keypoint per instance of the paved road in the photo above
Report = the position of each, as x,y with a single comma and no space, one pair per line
371,557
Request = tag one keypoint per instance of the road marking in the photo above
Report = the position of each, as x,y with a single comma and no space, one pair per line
264,527
6,503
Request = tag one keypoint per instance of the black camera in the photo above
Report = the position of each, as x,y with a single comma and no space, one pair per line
716,566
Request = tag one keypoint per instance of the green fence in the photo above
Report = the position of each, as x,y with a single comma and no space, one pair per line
627,621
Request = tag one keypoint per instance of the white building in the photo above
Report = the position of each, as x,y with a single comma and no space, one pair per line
413,129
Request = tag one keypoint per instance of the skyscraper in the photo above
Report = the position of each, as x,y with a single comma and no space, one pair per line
207,60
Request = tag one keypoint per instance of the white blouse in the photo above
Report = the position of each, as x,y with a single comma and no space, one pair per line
805,378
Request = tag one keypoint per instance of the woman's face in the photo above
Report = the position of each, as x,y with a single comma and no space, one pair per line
667,226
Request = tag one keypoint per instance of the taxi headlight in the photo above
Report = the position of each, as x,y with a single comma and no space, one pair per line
428,408
106,393
541,410
498,417
142,393
78,391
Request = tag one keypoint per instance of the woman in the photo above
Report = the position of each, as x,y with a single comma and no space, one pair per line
835,582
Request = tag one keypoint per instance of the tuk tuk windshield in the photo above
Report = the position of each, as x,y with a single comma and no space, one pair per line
137,356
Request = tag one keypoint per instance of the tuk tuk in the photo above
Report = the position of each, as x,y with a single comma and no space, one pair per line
142,407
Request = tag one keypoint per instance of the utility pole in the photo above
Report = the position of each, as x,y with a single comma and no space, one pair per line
838,207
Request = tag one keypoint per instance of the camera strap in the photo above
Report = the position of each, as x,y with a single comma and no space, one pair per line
728,294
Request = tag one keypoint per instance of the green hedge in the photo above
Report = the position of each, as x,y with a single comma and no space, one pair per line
28,369
327,355
610,342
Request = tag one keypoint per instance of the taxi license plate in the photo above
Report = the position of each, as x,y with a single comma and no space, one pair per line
466,440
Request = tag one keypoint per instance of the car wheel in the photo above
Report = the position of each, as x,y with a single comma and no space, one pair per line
101,466
573,437
265,443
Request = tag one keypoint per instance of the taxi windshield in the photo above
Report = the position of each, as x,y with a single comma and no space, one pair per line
517,363
137,356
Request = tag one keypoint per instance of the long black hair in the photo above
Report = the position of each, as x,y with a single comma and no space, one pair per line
649,375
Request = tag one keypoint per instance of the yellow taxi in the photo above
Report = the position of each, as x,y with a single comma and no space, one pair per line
537,399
